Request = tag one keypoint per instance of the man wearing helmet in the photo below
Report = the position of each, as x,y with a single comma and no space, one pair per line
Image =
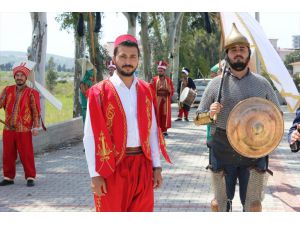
226,165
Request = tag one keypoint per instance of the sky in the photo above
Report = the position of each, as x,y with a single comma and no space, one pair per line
16,29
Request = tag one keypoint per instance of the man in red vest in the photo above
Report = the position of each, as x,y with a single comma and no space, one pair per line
121,136
22,115
164,91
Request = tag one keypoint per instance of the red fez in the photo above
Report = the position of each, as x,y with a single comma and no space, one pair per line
123,38
23,67
162,64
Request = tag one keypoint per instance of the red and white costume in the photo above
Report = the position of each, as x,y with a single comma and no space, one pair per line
164,91
22,113
118,118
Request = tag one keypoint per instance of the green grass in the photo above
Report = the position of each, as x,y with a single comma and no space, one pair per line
62,91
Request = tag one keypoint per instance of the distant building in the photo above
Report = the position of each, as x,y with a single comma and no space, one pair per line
282,52
296,41
273,42
296,68
109,46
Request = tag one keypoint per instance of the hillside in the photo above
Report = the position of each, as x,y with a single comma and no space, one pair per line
13,56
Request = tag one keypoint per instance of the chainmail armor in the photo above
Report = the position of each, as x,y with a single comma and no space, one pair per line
235,90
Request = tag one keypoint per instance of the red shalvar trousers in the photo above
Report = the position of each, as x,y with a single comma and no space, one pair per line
13,143
130,188
162,116
183,111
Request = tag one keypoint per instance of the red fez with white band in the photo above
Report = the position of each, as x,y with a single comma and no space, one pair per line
24,67
123,38
162,64
111,64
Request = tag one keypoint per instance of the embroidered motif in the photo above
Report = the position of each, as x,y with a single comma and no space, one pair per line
149,121
27,115
98,203
103,150
162,140
123,118
8,99
110,114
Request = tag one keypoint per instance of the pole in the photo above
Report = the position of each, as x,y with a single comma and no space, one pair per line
258,70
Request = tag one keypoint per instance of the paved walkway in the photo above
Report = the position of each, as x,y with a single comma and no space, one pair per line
63,180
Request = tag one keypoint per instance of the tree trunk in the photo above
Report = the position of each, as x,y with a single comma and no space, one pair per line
176,70
38,48
173,28
146,47
159,50
79,53
94,48
131,18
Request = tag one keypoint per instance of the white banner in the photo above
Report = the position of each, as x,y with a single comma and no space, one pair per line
54,101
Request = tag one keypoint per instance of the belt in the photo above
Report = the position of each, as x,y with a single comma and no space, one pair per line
134,150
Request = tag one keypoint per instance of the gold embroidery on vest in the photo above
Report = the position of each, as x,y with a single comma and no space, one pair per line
148,112
120,106
110,114
162,140
8,99
103,150
27,115
8,116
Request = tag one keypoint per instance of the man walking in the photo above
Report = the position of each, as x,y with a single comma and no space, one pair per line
121,136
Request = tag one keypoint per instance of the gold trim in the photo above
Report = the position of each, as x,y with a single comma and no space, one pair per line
110,114
119,103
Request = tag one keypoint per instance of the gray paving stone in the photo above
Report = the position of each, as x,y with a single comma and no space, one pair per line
63,183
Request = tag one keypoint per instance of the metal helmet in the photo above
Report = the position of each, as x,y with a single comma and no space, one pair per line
235,38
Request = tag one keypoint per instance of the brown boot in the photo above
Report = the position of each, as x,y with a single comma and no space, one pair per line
214,205
256,206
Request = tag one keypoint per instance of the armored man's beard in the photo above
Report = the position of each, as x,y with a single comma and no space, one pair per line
238,66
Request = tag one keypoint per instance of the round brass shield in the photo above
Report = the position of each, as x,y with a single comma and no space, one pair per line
255,127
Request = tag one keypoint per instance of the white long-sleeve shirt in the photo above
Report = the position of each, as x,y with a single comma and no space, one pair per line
128,98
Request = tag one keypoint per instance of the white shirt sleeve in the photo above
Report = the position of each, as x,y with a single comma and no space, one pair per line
154,145
89,144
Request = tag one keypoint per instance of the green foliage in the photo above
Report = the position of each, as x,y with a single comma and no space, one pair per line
157,37
64,92
198,49
68,21
267,76
51,75
296,79
290,58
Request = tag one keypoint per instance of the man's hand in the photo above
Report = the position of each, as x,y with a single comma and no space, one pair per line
98,186
34,132
215,108
295,136
157,178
